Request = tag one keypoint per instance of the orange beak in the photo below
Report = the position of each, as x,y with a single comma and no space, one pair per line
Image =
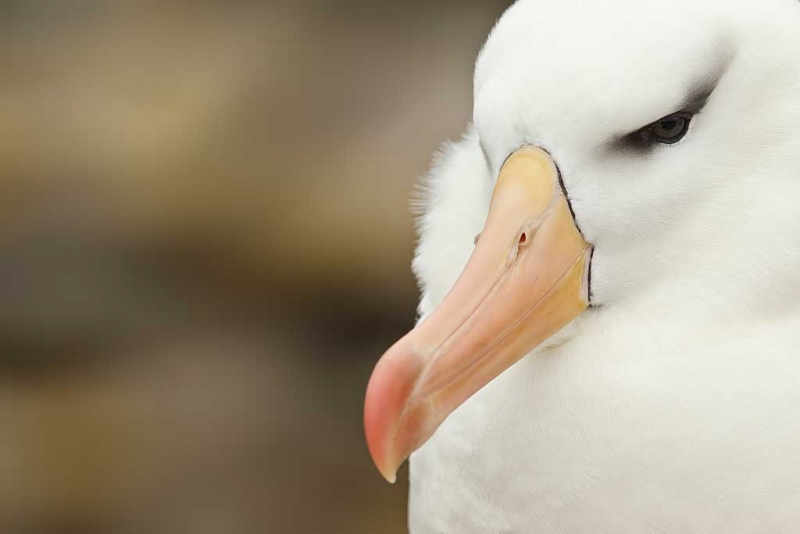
526,280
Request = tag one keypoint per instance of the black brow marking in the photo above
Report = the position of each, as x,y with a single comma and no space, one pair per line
697,96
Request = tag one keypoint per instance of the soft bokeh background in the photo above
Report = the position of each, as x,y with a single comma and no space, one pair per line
204,248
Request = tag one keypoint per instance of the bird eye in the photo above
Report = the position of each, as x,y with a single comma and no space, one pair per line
670,129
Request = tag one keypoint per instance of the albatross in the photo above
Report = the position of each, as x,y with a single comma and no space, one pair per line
609,333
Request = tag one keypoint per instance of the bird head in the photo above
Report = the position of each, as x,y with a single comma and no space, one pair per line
621,152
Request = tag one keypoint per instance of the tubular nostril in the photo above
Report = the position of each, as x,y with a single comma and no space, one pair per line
522,240
477,238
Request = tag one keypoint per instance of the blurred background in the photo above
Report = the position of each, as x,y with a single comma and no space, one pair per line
205,247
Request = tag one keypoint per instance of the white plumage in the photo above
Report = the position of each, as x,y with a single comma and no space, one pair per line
673,404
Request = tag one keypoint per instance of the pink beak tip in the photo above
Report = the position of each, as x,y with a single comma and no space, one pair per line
388,389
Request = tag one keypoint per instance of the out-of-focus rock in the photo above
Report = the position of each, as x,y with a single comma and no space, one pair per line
204,246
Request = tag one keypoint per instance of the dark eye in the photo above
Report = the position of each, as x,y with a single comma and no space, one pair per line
668,130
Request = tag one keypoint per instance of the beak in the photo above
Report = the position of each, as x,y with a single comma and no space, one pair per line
526,280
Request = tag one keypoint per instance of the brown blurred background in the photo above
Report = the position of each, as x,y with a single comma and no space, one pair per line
205,247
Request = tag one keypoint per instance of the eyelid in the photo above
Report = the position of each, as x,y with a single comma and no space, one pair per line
683,114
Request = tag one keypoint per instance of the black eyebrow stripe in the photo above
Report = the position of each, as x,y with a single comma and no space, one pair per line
701,90
697,96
